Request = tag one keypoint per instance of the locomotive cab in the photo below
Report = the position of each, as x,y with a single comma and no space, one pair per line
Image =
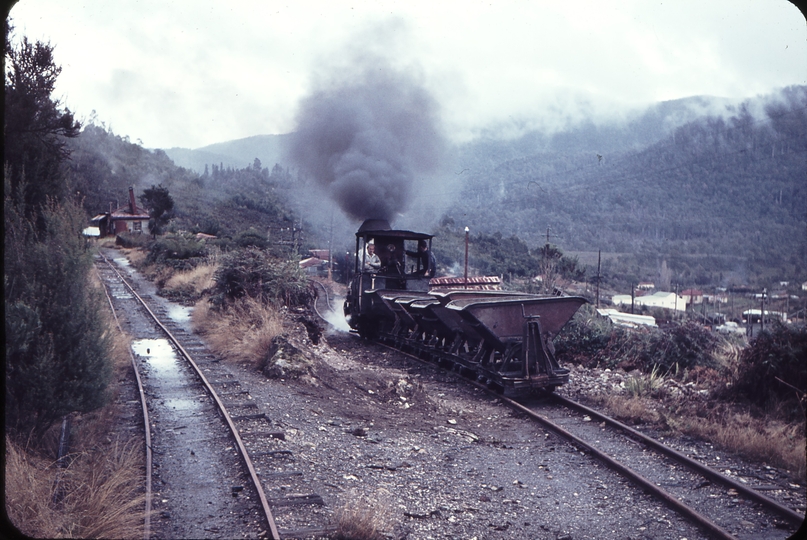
384,261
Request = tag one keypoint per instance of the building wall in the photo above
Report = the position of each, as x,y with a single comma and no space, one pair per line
131,225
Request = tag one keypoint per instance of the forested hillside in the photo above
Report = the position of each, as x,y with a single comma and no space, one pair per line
719,199
222,201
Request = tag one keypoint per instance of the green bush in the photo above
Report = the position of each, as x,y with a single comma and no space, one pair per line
251,238
593,341
176,250
584,336
773,370
255,273
129,240
57,350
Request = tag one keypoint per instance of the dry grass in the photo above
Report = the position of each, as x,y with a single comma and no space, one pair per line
29,488
244,332
103,490
193,282
100,493
136,256
637,409
773,442
364,517
731,428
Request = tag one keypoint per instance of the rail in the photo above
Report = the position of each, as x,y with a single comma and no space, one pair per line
714,530
222,409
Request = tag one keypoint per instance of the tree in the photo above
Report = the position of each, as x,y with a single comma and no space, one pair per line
35,125
160,206
57,351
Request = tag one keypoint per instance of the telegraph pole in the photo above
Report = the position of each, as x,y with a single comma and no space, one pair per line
762,312
467,232
599,259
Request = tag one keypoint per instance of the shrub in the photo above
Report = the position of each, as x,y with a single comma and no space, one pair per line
129,240
176,250
773,373
253,273
584,336
251,238
57,349
593,340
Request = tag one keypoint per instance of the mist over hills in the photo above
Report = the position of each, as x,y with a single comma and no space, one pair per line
714,189
238,153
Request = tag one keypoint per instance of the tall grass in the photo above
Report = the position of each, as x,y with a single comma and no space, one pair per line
191,283
99,492
770,441
29,490
243,331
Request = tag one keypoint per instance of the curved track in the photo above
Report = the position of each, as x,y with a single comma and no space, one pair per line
697,486
186,431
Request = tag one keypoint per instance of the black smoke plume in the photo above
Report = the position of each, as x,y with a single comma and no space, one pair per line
369,136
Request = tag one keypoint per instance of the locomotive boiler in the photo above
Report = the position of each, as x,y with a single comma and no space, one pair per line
500,338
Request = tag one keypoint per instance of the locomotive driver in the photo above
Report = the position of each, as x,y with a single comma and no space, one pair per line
427,264
371,261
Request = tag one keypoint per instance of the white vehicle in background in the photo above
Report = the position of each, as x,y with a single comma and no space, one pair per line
730,327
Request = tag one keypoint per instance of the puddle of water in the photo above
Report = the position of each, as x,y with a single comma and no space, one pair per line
158,353
183,404
180,314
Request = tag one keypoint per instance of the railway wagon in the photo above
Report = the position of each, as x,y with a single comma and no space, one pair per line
502,339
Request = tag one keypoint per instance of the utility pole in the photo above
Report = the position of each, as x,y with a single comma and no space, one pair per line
632,296
675,311
330,251
467,232
762,312
599,260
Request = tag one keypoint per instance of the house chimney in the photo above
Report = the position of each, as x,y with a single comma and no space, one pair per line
132,206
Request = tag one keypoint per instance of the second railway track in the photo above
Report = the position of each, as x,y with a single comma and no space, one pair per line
722,507
220,469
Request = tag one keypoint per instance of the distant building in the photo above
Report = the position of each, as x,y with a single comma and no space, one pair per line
692,296
627,319
666,300
717,298
318,263
646,286
129,218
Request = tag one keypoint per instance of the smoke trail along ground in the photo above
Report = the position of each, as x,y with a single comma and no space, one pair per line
369,141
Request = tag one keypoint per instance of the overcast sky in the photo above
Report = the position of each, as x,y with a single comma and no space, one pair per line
191,73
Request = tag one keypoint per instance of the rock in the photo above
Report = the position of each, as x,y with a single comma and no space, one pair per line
284,360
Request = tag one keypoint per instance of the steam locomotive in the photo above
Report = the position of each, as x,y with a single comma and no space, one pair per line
502,339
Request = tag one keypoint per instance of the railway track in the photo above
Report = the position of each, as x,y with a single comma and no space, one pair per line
723,507
219,467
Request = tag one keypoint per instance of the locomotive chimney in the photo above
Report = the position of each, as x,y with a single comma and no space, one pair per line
374,225
132,206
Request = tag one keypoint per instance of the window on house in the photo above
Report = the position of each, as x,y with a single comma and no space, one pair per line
138,226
